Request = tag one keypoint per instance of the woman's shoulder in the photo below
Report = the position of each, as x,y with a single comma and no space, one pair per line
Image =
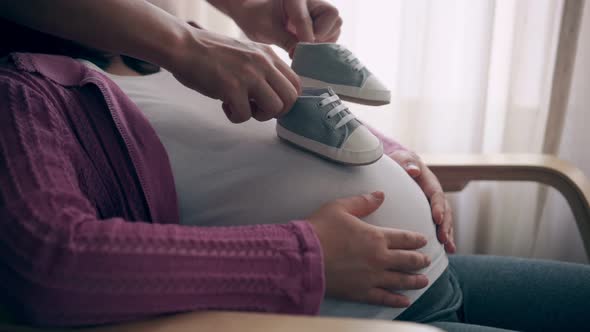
39,71
32,92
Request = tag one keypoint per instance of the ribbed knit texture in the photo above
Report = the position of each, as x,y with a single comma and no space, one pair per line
89,229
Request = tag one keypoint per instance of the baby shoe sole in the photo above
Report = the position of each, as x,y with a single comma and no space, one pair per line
351,93
328,152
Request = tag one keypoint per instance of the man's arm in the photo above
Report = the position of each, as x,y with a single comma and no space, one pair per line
134,28
284,22
233,71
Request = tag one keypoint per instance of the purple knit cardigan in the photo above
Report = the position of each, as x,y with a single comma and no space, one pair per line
89,225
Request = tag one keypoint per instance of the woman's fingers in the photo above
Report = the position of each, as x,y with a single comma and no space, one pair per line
380,296
443,218
444,231
405,260
438,205
409,161
450,246
400,239
402,281
380,261
448,220
428,182
362,205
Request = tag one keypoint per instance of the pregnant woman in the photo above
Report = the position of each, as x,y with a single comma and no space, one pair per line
93,154
67,250
229,175
242,175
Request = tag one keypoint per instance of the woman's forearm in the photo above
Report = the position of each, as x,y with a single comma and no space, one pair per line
131,27
64,261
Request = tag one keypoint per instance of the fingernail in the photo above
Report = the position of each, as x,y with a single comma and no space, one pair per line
411,165
378,195
405,303
441,217
422,240
424,280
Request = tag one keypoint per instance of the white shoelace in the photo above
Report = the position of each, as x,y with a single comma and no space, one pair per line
340,107
350,58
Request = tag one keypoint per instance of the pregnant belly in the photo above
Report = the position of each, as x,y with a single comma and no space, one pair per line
244,175
227,174
250,177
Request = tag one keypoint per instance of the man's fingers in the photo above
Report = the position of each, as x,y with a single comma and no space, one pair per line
289,73
332,37
287,40
380,296
257,113
363,205
267,101
405,260
297,14
284,89
400,239
237,107
326,22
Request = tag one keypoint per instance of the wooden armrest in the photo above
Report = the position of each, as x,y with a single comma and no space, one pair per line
456,171
247,322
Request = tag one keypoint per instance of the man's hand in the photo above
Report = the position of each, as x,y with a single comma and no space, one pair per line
441,209
250,79
366,263
285,22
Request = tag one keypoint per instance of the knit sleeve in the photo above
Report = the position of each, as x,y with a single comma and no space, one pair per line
389,144
60,265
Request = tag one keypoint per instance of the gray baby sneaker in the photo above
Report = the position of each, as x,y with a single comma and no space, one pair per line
328,64
319,122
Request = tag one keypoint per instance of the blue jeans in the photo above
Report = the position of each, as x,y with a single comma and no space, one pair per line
490,293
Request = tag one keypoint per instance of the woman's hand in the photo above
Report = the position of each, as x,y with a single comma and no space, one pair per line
250,79
366,263
285,22
442,213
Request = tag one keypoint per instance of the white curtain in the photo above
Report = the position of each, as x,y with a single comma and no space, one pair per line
469,77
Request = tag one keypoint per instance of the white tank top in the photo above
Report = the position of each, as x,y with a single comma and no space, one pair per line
240,174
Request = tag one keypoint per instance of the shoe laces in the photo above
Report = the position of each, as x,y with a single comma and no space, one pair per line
338,107
350,58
